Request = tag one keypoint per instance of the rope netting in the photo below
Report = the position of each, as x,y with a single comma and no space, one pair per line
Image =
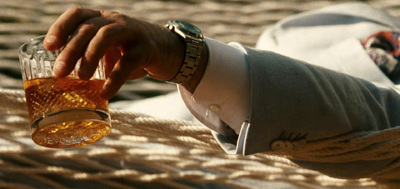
149,152
141,151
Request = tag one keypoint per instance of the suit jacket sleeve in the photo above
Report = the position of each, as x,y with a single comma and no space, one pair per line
321,119
294,104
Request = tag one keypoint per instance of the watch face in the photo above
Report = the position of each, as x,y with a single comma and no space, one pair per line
186,27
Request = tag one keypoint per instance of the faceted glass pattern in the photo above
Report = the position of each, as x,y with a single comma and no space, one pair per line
63,112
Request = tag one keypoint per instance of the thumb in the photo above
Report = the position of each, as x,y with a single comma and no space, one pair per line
111,57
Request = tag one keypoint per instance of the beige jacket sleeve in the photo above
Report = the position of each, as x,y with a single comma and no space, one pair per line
318,116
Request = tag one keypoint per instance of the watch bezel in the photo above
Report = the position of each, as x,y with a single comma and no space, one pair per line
186,28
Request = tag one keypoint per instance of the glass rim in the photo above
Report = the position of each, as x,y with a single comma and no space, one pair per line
41,37
30,51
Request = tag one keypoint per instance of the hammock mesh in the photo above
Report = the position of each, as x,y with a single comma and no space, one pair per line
140,151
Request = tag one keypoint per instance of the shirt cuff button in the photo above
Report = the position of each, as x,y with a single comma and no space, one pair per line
214,107
282,146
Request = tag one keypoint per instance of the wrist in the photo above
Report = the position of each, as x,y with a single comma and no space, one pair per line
177,61
194,51
178,51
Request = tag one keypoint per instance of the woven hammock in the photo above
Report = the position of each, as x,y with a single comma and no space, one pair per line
143,152
149,152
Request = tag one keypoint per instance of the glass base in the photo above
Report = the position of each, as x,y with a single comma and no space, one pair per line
71,128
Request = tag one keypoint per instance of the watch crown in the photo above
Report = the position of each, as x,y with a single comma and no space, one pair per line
169,27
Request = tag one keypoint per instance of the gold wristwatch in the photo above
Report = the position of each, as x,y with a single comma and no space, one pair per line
194,40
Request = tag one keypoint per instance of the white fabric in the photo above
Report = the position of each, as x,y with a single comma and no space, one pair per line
334,42
225,85
168,106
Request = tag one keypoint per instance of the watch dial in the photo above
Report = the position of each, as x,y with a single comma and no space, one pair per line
187,27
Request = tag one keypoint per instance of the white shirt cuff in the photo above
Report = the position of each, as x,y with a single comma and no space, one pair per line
225,87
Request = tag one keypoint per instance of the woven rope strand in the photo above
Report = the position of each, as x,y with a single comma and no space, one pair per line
189,149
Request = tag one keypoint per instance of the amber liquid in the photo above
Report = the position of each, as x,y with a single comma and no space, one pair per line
66,112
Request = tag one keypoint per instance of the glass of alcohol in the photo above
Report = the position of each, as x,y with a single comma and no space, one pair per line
63,112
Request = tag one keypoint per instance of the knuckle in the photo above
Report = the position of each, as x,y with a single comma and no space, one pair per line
88,29
90,56
107,31
113,15
119,16
75,11
70,51
103,12
58,28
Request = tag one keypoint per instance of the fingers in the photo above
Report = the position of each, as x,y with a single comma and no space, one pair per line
126,68
115,82
59,32
75,48
88,35
104,39
72,51
90,39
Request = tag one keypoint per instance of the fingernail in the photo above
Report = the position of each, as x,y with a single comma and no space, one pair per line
50,39
59,68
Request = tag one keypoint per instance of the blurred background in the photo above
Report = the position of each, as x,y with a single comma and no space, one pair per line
225,20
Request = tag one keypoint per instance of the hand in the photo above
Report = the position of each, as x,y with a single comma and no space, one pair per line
131,48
